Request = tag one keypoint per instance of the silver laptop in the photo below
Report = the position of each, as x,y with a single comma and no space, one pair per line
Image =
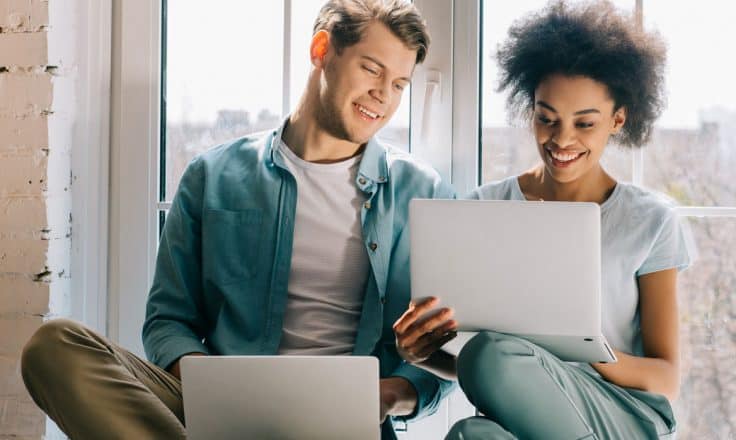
280,397
531,269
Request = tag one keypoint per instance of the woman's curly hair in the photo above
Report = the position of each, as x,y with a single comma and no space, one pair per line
594,40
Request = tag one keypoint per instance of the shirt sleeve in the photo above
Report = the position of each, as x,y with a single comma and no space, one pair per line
672,248
430,390
174,325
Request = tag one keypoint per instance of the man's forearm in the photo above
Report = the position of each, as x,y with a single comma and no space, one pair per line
398,396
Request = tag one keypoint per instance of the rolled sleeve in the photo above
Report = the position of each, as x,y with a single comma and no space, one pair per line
430,390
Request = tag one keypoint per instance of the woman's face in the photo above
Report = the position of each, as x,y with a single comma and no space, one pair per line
573,119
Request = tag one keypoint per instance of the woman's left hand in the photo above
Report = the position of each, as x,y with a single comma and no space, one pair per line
420,333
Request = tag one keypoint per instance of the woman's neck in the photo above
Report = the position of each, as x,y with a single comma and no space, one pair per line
595,186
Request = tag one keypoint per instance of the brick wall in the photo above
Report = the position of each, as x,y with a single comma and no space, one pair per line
36,104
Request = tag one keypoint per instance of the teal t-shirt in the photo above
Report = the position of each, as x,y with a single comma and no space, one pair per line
641,233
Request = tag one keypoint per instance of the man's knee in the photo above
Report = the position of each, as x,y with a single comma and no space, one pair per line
47,345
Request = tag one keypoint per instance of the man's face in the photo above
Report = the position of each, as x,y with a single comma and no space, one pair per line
361,88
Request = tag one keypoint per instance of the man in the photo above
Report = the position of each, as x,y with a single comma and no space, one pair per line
288,242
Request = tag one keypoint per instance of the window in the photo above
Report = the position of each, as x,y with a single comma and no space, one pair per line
187,77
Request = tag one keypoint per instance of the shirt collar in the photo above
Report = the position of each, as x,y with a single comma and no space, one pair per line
373,166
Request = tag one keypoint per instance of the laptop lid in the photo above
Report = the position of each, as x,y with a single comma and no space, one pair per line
526,268
281,397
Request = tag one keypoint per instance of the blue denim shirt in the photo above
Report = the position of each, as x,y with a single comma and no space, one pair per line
222,270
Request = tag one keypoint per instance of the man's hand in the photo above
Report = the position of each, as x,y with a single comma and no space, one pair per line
418,336
398,397
174,368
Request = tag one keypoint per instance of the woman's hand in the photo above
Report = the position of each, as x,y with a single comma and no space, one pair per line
421,331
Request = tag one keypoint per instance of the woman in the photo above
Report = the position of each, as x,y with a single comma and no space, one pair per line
583,75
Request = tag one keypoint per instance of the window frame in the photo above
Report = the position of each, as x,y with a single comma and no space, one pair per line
89,157
453,64
135,121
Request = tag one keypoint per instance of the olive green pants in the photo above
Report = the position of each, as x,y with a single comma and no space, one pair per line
526,392
94,389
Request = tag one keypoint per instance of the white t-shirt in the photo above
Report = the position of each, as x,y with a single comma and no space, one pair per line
640,234
329,262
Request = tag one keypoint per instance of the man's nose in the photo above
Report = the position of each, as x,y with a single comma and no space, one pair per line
381,91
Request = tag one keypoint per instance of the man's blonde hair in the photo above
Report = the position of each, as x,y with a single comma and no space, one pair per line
346,20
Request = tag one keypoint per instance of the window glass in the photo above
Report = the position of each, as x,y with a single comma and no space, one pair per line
706,408
222,74
692,154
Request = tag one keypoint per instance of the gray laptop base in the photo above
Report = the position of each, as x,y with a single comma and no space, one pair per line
281,397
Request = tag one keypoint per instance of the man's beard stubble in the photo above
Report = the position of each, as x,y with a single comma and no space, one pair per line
330,120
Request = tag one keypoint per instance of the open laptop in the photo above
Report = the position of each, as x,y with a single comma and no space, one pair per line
280,397
532,269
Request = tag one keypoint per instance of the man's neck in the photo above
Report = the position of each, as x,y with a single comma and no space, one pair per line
310,142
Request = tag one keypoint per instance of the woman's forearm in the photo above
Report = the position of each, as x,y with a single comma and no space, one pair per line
655,375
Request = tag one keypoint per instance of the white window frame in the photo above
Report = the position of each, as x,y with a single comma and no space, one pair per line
133,166
449,79
90,51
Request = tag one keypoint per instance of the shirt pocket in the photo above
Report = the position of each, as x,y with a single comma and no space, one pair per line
230,244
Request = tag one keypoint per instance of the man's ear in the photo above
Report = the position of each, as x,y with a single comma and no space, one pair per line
318,48
619,119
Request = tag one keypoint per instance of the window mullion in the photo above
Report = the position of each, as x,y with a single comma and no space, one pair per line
286,66
466,105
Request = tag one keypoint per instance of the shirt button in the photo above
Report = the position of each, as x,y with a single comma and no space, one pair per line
383,300
361,181
373,246
367,205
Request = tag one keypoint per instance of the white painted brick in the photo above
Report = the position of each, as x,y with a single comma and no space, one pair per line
41,259
23,49
59,216
58,167
23,94
24,256
22,329
20,295
22,215
23,175
20,417
64,95
60,131
11,382
60,298
34,217
23,15
23,133
64,20
37,117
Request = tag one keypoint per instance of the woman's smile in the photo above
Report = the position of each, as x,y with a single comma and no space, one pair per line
562,159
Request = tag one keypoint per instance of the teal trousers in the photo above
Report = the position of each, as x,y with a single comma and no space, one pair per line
526,392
